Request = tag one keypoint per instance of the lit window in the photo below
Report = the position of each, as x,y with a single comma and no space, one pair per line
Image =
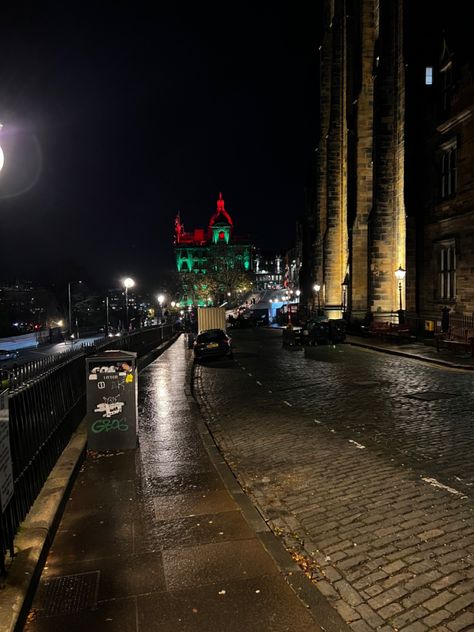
429,76
448,170
447,270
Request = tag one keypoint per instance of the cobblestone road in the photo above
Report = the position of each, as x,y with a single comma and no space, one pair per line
363,463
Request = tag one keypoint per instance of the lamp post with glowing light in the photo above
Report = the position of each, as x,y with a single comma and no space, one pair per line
127,283
317,288
161,300
70,304
400,275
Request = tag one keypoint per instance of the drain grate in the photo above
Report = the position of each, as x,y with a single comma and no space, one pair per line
431,396
70,594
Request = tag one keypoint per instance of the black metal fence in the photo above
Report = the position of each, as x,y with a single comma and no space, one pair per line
46,402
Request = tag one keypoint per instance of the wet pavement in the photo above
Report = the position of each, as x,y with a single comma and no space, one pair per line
362,462
152,539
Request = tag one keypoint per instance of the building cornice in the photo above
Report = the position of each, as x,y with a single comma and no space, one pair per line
454,121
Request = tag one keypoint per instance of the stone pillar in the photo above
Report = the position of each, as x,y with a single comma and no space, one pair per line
325,61
387,219
335,237
364,122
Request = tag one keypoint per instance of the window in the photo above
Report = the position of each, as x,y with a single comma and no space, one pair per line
448,171
447,270
429,76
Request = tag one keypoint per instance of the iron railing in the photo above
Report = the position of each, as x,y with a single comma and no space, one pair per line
46,402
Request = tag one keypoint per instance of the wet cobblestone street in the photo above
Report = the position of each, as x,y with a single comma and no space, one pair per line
362,461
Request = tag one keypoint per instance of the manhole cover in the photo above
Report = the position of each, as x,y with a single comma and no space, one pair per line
431,396
70,594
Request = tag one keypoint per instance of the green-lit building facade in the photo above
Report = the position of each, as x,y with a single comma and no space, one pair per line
213,263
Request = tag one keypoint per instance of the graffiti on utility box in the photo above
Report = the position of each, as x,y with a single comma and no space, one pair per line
112,401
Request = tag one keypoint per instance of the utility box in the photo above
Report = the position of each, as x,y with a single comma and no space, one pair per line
211,318
112,401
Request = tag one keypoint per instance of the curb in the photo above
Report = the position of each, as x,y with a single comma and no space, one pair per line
412,356
37,531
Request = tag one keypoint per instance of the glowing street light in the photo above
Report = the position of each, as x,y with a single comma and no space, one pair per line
127,283
70,306
400,275
161,299
316,288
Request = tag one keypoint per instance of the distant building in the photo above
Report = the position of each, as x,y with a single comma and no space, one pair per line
269,271
212,262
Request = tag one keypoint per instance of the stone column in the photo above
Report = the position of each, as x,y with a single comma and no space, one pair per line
325,61
335,237
364,122
387,220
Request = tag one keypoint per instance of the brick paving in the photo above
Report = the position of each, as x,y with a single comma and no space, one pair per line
362,462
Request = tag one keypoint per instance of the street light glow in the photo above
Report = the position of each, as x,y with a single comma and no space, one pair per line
128,283
161,299
316,287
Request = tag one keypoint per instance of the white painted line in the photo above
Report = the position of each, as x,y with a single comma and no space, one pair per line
287,403
316,421
250,375
259,383
357,445
434,483
270,391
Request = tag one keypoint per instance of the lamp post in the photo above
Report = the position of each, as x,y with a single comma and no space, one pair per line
344,285
127,283
161,300
400,275
70,304
316,288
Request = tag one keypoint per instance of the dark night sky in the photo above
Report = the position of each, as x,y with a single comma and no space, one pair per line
126,117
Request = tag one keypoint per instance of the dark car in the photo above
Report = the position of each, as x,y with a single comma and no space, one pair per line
210,343
8,354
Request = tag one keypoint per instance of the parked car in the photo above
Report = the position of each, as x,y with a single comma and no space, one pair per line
211,343
8,354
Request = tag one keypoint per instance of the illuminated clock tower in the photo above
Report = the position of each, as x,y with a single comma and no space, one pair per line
218,253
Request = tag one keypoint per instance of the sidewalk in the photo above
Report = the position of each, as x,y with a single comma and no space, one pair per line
416,350
163,538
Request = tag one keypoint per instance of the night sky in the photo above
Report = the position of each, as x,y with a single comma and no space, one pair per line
116,116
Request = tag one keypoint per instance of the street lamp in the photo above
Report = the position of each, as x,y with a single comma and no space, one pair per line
316,288
400,275
161,300
344,285
127,283
70,304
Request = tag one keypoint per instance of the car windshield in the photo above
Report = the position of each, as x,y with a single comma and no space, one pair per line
211,335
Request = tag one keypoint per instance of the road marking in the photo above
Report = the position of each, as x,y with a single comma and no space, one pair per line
357,445
316,421
259,383
434,483
287,403
270,391
250,375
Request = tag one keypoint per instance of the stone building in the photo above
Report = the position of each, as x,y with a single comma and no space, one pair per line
392,183
440,148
